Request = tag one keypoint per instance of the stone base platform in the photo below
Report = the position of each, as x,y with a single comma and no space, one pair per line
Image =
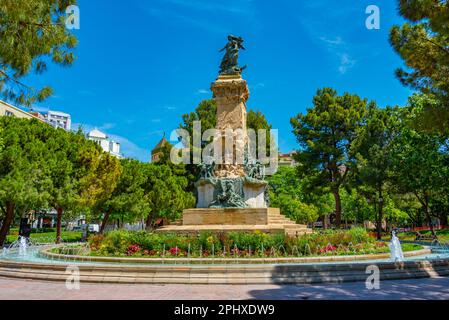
266,273
268,220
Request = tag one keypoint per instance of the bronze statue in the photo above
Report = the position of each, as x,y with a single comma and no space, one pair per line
207,170
229,63
254,169
227,196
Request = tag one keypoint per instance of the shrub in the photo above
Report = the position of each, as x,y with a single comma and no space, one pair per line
359,235
328,242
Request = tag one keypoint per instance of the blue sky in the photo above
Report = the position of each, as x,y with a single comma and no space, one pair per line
142,64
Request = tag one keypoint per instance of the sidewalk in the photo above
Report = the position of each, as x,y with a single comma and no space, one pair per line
427,288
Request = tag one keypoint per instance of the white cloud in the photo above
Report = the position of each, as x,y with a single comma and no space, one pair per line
107,126
184,11
128,148
241,7
333,42
346,62
131,150
203,91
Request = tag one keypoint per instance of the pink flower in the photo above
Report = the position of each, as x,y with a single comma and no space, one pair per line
132,249
174,251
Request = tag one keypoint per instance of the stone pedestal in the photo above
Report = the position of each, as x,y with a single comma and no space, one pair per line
255,196
219,220
252,191
231,93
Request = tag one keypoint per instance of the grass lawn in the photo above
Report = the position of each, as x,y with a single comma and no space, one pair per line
47,237
443,235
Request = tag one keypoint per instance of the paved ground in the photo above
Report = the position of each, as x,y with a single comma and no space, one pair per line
435,288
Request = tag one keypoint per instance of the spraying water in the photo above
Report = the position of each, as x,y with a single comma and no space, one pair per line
22,246
396,254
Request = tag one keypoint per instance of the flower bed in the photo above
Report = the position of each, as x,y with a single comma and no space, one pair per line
237,244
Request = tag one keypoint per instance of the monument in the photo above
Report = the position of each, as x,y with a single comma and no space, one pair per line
232,192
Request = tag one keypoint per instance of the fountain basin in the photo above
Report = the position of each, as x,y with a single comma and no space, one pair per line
42,264
46,253
290,273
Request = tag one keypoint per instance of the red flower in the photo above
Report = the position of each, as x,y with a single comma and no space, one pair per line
132,249
174,251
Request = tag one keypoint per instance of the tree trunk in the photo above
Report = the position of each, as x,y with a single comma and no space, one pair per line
428,216
443,220
105,220
380,215
337,207
59,210
7,221
149,223
379,221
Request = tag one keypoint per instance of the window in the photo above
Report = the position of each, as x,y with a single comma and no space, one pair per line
9,113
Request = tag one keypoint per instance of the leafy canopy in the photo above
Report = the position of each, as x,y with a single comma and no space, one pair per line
32,34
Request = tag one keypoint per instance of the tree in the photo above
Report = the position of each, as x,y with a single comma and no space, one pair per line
420,164
325,135
373,149
128,195
423,44
286,193
23,179
32,32
74,164
165,192
355,206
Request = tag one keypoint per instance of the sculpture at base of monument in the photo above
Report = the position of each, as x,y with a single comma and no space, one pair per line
229,63
227,196
254,169
207,170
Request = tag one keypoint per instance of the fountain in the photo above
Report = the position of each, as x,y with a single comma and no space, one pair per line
231,197
396,254
21,245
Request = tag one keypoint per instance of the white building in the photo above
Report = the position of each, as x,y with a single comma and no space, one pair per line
59,119
105,143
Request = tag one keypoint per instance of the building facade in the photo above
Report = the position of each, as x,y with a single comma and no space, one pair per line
158,151
59,119
105,143
7,110
287,159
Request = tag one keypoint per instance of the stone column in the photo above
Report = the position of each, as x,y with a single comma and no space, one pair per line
231,93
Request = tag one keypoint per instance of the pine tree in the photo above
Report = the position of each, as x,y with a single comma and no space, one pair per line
325,135
32,32
423,44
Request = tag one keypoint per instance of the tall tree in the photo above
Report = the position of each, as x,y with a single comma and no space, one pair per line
71,160
373,149
128,196
420,164
23,178
423,44
325,135
286,193
32,32
165,193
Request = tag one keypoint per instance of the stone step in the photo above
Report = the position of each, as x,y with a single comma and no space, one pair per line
281,222
176,222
